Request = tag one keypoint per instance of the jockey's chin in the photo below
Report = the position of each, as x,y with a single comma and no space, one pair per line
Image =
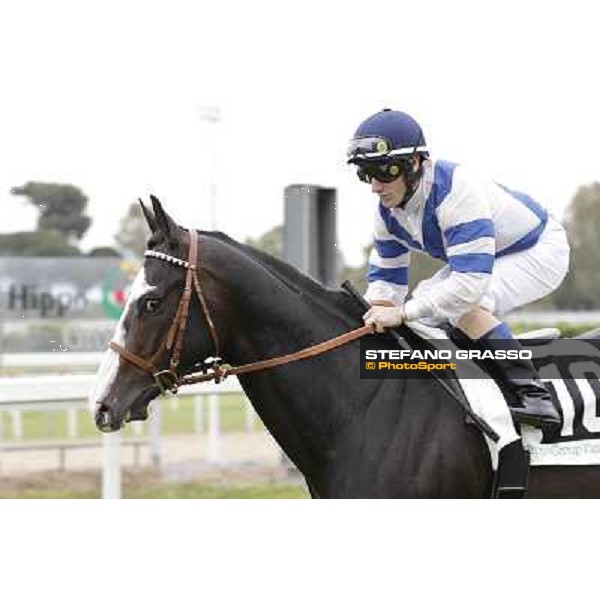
390,193
389,201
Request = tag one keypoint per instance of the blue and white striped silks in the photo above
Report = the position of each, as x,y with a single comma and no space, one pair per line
463,220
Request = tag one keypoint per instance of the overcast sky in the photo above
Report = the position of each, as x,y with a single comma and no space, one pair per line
107,96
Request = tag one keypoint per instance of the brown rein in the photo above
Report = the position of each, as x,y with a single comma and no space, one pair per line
169,379
311,351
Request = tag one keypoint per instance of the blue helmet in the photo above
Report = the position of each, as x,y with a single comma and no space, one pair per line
386,136
384,148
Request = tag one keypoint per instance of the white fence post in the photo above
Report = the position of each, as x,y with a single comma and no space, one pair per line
250,416
214,429
17,424
111,470
72,423
198,416
154,429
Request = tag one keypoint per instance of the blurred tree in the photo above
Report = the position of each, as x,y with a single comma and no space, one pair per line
61,207
104,251
270,242
133,232
36,243
581,287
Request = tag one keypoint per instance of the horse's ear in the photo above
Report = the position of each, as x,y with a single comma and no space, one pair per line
164,222
149,216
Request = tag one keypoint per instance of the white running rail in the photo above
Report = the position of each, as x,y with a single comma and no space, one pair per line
70,392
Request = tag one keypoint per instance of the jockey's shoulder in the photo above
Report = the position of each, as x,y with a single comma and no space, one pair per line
466,172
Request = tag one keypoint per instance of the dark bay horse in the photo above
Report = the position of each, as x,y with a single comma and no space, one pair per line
349,437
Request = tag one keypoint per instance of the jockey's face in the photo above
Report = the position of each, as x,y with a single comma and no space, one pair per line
390,193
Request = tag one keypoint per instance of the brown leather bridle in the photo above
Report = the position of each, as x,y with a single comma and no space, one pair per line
168,379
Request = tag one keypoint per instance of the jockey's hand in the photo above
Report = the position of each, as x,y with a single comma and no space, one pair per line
384,316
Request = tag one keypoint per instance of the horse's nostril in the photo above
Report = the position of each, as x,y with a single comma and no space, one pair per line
103,418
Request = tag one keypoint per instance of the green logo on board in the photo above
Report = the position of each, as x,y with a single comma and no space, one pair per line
115,287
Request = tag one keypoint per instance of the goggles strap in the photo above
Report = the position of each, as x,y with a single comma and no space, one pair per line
411,179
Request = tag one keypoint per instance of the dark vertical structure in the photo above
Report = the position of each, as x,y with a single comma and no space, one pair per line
309,232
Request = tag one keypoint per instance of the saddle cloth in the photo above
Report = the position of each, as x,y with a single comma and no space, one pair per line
577,443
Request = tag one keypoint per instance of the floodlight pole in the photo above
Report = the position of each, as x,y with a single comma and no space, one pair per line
212,116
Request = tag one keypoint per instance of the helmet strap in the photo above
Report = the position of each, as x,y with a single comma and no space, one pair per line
411,179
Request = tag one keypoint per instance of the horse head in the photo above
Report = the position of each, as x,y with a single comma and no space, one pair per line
161,333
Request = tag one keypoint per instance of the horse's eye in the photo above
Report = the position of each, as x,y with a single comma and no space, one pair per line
152,304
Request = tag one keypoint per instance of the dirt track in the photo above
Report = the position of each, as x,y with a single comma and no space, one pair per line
179,454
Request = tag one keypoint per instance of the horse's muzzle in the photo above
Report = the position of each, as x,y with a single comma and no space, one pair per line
105,419
137,413
108,418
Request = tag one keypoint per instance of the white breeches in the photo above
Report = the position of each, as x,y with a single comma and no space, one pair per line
520,278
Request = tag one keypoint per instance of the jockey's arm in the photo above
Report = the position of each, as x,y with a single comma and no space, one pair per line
387,271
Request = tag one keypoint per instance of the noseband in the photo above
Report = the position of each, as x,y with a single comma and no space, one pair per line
168,379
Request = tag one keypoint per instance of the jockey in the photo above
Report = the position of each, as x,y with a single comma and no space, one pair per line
502,250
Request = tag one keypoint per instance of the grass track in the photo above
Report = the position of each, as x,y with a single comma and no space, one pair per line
190,490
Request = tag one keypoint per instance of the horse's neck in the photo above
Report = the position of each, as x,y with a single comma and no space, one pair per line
303,403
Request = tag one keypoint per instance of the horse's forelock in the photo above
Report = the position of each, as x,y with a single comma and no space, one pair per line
173,243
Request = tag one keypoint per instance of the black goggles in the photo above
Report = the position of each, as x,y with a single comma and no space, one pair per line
382,171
